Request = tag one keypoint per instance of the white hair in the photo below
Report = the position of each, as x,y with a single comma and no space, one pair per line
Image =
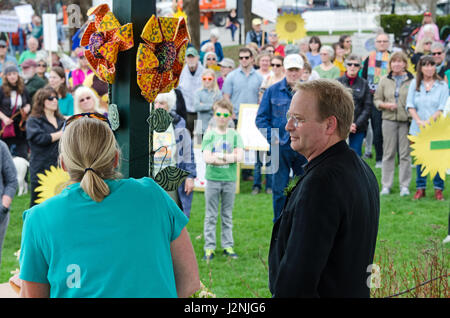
83,90
206,46
170,98
207,55
328,49
215,33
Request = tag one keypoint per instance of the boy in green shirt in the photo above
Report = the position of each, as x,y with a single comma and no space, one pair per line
222,149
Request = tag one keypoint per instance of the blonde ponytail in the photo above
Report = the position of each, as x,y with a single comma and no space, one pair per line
89,149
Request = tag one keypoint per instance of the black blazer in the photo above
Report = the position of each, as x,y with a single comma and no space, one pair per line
325,238
363,100
43,152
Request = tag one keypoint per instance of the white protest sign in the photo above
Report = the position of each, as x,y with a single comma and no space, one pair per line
50,32
252,138
25,13
9,23
266,9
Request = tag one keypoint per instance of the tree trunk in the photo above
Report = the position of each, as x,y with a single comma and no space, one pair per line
192,9
247,16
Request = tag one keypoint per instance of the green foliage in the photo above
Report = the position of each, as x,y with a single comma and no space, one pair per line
393,23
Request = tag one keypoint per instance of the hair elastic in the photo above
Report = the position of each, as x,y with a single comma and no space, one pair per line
85,170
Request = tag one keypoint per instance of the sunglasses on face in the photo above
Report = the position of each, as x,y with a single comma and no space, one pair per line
2,47
224,115
244,57
353,64
436,53
90,115
276,65
211,59
208,79
85,99
42,65
427,43
52,98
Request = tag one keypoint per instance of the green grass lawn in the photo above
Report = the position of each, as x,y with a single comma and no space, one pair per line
405,229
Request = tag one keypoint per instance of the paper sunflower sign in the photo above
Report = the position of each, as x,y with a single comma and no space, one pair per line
290,27
105,38
52,182
431,147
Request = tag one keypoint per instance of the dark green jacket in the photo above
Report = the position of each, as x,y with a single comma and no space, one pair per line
34,84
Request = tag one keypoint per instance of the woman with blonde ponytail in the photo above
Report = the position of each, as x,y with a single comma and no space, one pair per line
103,236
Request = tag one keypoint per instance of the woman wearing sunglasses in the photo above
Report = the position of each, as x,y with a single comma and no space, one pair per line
43,133
103,236
85,101
41,69
204,99
427,96
362,100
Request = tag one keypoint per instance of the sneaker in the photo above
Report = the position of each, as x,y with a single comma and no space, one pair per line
269,191
255,191
379,164
446,240
404,192
385,191
367,156
209,255
438,195
229,251
420,193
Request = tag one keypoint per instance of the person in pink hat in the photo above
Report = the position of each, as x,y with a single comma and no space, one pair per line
428,28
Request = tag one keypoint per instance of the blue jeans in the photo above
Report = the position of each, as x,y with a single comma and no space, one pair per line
257,172
421,182
356,140
288,159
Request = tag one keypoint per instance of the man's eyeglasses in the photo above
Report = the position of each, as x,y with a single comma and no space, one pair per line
297,122
382,41
353,64
276,65
224,115
436,53
90,115
244,57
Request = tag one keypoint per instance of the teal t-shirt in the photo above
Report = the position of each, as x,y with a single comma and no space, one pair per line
226,143
119,247
66,105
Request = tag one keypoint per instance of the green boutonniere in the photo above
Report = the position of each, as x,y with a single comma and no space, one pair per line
291,185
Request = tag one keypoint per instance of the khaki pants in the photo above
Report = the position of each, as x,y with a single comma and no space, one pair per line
395,140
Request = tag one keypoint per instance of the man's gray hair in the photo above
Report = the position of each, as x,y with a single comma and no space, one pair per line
353,57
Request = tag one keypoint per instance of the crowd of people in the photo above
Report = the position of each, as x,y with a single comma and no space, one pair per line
39,93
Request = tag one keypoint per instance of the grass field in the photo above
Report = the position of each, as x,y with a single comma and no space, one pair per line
405,230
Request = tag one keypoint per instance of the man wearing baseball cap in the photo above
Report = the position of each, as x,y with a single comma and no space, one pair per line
271,118
257,35
5,59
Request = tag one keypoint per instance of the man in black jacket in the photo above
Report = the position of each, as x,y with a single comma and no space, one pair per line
324,241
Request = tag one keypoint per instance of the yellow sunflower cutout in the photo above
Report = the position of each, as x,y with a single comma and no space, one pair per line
290,27
51,183
431,147
180,14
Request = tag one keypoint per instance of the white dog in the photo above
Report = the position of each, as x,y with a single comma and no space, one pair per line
21,167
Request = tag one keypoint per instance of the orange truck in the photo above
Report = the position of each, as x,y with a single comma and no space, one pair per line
216,11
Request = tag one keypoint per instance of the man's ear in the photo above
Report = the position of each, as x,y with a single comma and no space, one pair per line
332,125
